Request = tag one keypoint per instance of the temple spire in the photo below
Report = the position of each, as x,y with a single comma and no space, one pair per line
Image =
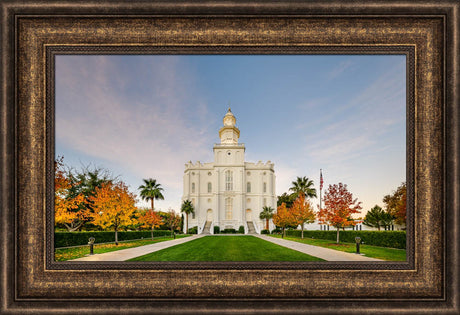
229,133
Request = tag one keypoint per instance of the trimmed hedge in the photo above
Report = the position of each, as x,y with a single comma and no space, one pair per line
241,229
65,239
216,230
228,231
193,230
265,232
393,239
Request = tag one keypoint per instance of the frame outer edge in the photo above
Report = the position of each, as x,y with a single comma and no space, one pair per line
452,154
7,156
452,151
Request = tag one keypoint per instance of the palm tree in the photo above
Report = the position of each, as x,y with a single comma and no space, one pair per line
187,208
151,190
267,214
305,185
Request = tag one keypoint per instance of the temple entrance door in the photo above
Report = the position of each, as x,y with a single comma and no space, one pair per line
209,215
248,215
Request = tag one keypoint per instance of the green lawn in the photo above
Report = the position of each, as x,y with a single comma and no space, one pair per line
385,253
80,251
227,248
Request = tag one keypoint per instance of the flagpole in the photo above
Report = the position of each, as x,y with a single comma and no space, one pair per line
320,187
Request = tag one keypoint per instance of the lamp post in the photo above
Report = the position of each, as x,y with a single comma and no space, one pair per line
358,241
91,244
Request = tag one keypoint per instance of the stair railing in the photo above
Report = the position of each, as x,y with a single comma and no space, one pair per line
202,227
256,227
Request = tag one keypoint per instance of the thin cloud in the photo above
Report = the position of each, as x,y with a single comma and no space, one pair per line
334,73
355,127
148,136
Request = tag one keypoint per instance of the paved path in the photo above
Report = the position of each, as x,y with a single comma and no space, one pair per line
125,254
320,252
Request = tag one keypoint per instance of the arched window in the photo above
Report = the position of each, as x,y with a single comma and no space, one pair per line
228,208
193,213
209,187
193,187
228,180
248,187
265,187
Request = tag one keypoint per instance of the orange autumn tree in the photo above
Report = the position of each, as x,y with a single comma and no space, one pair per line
302,211
401,209
67,209
339,205
172,221
113,206
283,218
150,219
395,204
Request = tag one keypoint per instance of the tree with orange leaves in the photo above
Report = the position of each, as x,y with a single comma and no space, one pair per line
150,219
172,220
67,208
395,204
283,218
302,211
113,206
339,205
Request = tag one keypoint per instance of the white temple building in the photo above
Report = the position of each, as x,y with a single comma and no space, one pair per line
229,192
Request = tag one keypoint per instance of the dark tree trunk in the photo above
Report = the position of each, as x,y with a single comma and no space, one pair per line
266,224
186,223
302,230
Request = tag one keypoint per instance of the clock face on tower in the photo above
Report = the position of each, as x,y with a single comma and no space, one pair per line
229,121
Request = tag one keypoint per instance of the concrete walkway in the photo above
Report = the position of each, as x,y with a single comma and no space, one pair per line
125,254
320,252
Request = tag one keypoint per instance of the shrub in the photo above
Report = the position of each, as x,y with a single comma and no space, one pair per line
265,232
393,239
276,231
216,230
193,230
228,231
64,239
241,229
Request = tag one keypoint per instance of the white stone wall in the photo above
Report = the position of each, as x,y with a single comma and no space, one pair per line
229,156
199,175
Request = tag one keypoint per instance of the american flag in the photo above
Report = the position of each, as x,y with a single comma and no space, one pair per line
320,179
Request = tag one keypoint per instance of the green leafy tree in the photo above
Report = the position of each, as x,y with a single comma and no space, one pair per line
187,208
387,219
287,199
303,185
151,190
266,214
375,217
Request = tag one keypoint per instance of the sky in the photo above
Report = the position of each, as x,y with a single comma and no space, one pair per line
145,116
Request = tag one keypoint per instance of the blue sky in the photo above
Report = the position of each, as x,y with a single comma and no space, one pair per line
146,116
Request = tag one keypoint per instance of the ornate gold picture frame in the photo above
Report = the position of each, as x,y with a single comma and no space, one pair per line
32,33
